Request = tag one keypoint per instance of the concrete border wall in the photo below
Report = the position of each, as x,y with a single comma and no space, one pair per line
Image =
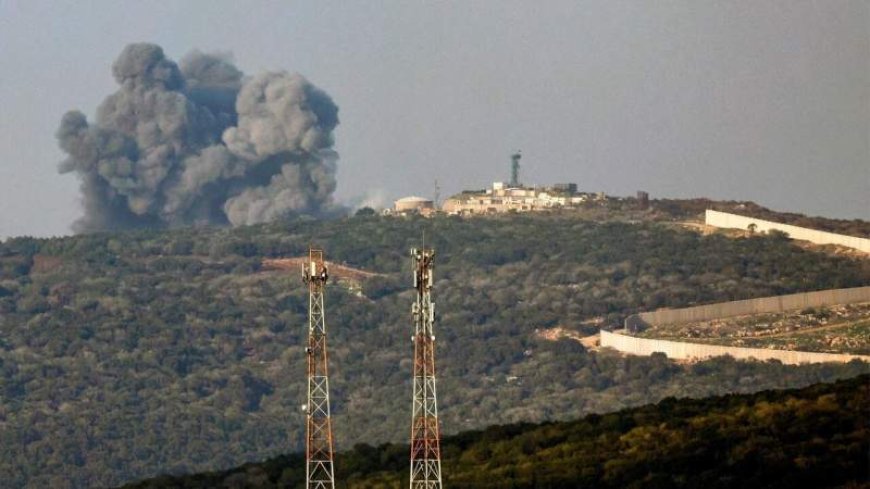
761,305
677,350
735,221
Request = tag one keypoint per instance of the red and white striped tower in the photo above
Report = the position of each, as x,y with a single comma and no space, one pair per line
425,433
319,473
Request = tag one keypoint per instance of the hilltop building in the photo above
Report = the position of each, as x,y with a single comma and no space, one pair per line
501,197
516,197
504,198
414,205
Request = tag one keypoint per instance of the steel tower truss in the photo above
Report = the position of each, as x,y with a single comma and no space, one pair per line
319,473
425,434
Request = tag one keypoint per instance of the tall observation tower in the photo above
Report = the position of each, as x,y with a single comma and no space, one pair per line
515,169
425,433
319,473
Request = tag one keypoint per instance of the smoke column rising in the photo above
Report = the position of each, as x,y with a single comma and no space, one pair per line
198,142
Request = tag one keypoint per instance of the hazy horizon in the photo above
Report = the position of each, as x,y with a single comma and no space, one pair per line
764,101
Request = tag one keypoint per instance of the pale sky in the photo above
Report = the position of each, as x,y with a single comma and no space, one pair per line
747,100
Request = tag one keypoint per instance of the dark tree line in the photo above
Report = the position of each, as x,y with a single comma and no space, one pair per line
814,437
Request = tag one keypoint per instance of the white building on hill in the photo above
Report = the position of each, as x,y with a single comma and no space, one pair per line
502,198
414,204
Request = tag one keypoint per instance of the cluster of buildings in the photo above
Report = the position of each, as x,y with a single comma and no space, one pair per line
500,198
507,198
504,197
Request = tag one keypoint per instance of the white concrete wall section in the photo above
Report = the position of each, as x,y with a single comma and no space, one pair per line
761,305
696,351
734,221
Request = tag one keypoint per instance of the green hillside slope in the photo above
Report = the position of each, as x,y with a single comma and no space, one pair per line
128,355
815,437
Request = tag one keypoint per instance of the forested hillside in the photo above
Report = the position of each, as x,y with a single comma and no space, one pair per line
815,437
123,356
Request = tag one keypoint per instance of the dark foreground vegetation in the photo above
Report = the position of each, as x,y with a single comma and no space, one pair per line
123,356
814,437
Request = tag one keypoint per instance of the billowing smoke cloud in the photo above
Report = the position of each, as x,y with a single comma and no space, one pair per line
198,142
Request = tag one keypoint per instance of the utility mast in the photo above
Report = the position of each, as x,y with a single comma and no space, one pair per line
319,472
515,169
425,434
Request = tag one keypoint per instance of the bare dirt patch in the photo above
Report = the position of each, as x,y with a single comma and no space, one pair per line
45,263
557,333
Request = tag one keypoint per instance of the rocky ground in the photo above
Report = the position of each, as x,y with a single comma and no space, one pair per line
841,329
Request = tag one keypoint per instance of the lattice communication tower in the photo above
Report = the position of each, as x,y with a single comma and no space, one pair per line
425,433
319,473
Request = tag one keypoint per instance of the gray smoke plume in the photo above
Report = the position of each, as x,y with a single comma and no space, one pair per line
198,142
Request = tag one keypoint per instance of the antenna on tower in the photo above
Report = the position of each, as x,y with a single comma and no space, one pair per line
515,169
319,449
437,194
425,432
